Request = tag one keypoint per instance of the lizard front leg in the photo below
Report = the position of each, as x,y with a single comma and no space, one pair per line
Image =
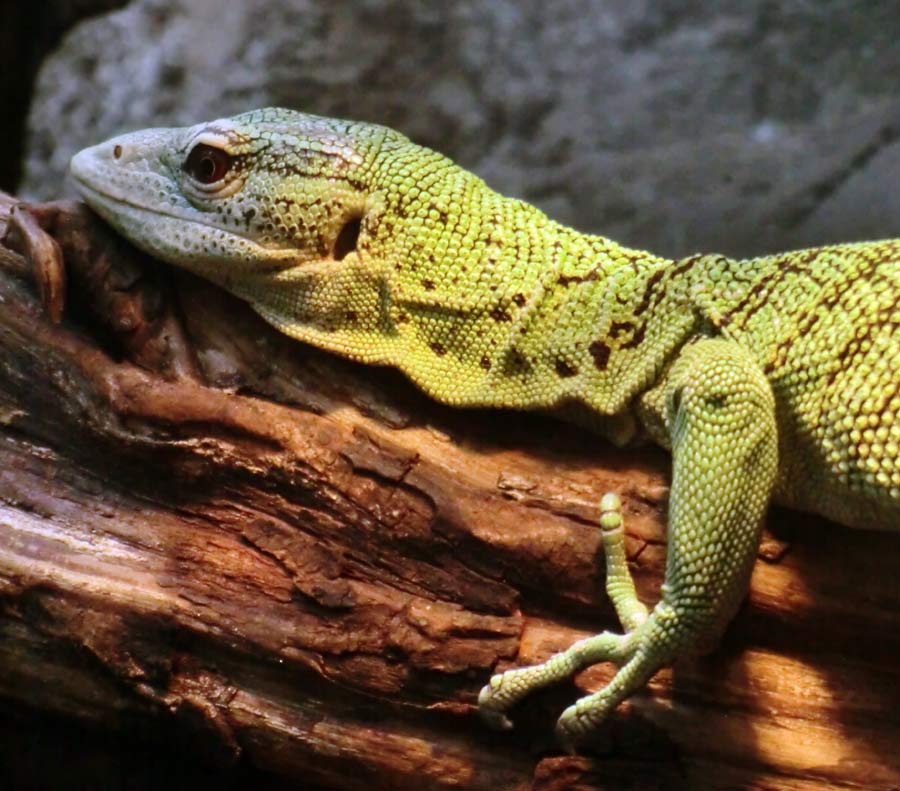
718,411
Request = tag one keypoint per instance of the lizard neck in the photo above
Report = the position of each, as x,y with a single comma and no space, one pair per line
515,310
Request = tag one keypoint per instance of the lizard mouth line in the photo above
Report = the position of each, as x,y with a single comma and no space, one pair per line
104,203
91,191
100,201
100,197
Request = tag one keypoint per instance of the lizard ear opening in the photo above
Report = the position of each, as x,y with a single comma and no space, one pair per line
347,238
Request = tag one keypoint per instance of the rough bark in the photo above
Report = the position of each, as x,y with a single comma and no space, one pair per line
302,564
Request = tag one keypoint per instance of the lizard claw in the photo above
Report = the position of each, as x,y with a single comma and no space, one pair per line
492,715
571,729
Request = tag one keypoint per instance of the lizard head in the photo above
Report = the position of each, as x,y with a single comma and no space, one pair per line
265,191
342,234
279,207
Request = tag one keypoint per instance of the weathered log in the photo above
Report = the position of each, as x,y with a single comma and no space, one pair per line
304,564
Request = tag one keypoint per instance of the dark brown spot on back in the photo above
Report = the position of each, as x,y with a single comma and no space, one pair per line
515,363
564,369
600,351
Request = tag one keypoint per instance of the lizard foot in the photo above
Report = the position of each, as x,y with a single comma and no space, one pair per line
638,654
724,437
505,689
579,721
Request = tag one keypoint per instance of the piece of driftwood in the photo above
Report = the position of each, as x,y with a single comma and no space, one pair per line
295,562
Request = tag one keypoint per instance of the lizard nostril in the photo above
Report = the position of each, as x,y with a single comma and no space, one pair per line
117,152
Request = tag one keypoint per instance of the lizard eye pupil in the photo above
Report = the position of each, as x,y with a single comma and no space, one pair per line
207,164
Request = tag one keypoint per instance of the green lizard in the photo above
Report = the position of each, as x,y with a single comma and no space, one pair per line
772,377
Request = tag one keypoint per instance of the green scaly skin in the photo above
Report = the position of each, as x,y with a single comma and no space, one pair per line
772,377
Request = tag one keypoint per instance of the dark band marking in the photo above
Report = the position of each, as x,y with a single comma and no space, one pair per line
637,339
568,280
619,328
801,264
647,299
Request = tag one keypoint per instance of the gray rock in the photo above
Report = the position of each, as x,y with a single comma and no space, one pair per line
742,126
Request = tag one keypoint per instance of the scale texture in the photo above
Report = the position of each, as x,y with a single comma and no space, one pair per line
775,377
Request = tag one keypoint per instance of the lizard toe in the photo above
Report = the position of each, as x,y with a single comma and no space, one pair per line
572,728
492,711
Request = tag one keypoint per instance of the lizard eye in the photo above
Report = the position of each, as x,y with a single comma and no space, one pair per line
207,164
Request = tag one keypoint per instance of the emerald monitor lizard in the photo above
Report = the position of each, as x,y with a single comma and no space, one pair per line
775,377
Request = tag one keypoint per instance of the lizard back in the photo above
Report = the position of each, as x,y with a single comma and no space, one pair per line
824,325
